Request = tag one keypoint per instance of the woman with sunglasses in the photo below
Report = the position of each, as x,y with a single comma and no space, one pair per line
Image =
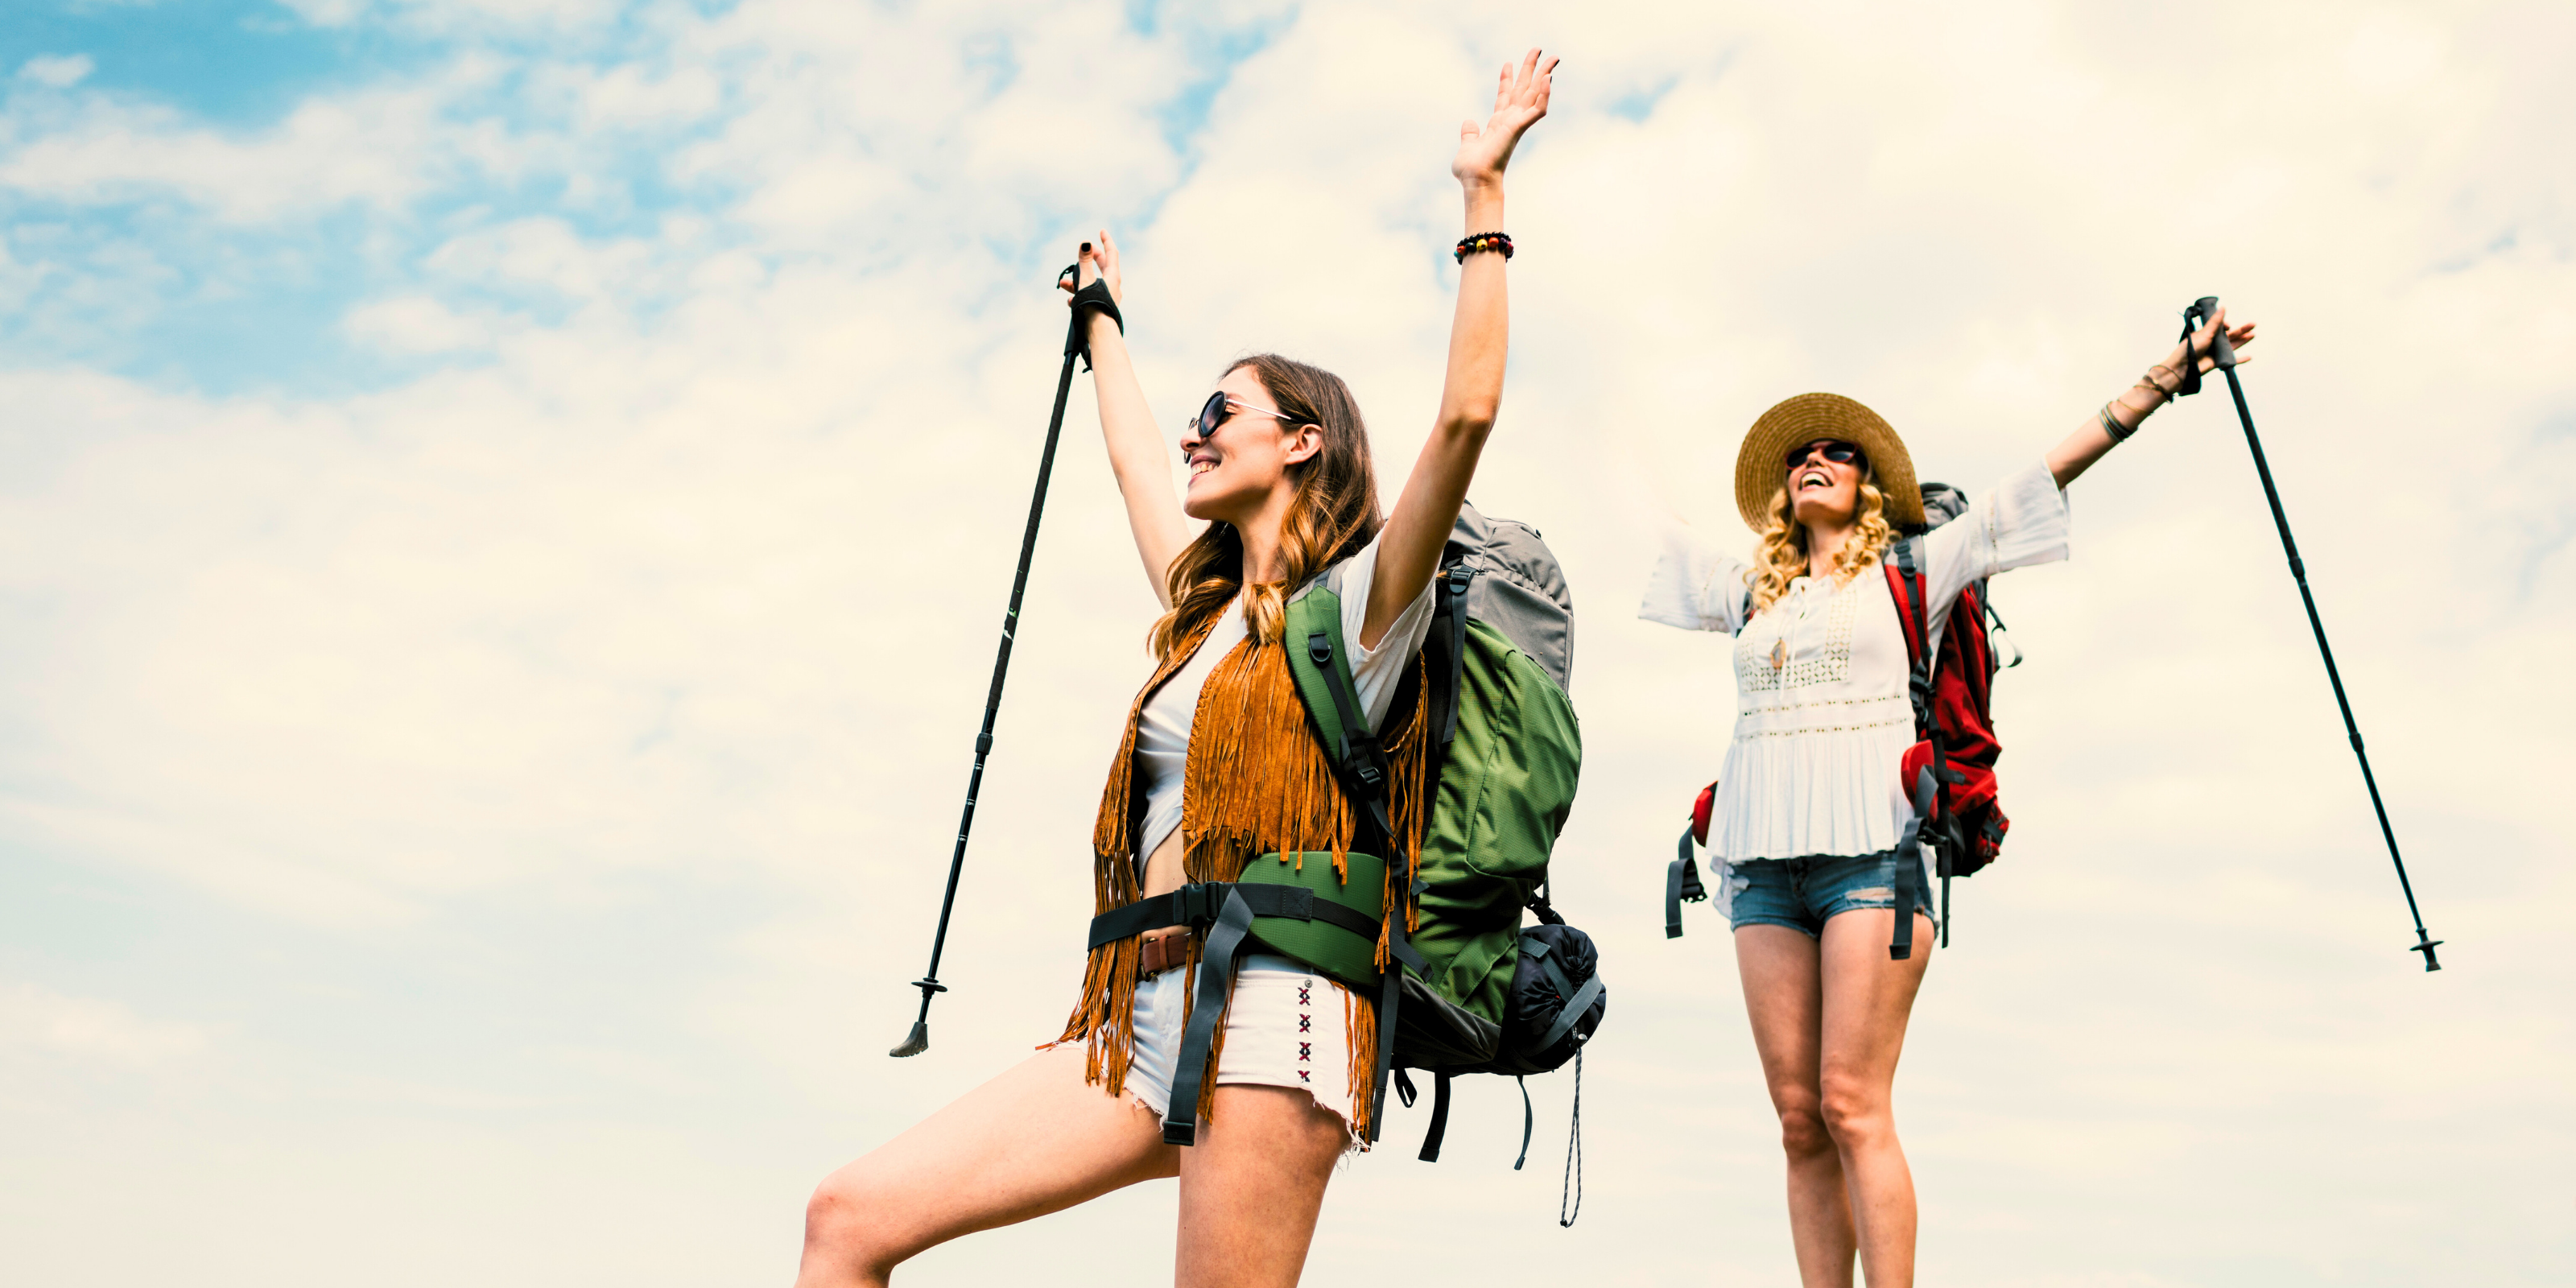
1809,808
1216,765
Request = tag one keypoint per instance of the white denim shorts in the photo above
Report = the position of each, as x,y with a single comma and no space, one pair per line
1288,1027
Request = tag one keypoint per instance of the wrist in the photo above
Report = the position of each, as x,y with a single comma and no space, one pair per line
1484,206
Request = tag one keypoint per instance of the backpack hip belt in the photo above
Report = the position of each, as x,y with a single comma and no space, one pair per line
1226,914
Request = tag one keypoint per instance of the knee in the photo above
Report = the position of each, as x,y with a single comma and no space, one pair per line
1854,1110
839,1231
1802,1127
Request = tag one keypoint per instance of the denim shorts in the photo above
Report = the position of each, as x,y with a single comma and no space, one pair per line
1803,894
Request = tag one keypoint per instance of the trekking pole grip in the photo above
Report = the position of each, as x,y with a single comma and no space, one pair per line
2222,355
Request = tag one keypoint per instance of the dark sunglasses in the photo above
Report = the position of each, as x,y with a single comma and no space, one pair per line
1840,453
1220,405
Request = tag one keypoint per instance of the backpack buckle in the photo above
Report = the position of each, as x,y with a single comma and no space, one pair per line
1195,904
1367,764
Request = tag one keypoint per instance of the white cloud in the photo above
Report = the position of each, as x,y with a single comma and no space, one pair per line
690,583
381,147
418,324
89,1029
57,71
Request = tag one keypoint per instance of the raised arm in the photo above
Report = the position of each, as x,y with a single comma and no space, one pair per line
1138,455
1409,549
2093,439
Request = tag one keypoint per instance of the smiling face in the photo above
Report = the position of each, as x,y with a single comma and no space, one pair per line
1825,492
1241,465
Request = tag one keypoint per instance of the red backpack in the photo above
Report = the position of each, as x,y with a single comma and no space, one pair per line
1950,770
1954,720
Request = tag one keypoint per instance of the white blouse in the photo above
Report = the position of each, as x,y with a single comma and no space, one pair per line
1822,717
1163,728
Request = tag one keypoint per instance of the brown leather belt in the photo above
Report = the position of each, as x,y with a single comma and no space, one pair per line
1162,954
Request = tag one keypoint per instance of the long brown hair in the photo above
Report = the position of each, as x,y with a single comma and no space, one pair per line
1781,554
1332,516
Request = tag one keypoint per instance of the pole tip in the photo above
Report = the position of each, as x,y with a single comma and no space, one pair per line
2425,944
915,1042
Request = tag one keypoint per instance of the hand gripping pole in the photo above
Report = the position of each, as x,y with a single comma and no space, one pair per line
1075,345
2223,355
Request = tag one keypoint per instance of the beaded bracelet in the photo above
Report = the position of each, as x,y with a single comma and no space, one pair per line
1473,243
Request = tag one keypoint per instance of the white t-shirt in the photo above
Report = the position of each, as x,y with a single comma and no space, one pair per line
1163,729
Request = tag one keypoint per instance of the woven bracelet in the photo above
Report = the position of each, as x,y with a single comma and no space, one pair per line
1471,244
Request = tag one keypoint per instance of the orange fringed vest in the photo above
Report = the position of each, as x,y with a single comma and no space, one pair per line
1255,781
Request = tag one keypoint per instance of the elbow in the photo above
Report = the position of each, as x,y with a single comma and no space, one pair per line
1471,421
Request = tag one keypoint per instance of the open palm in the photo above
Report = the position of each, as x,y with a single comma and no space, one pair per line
1519,102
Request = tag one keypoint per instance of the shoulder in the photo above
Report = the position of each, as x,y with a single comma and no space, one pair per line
1348,575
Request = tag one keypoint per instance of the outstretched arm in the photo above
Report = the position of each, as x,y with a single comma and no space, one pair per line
2091,441
1138,456
1408,550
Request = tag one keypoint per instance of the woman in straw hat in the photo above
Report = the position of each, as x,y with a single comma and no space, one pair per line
1215,767
1809,808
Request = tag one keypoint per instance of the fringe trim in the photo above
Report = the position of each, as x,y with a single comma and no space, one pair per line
1359,1018
1104,1015
1256,781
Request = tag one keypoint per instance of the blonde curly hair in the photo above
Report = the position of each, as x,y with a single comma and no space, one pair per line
1780,557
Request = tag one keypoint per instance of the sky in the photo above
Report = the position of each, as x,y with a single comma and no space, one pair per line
506,505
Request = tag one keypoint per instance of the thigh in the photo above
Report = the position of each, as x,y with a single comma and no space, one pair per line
1784,1000
1035,1140
1868,997
1252,1186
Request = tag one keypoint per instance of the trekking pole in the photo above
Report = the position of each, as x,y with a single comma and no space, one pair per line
918,1040
2223,356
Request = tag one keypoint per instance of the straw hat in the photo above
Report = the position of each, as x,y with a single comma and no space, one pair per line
1760,469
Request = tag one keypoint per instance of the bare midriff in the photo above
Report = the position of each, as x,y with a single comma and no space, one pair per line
1163,876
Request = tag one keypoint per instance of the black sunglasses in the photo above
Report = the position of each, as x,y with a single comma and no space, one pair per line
1837,451
1215,412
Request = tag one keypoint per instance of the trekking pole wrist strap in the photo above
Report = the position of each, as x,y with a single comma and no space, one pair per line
1094,298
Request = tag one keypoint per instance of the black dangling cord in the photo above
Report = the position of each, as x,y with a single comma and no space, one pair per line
1573,1155
1529,1120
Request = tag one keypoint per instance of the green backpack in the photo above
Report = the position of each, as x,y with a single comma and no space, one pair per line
1476,992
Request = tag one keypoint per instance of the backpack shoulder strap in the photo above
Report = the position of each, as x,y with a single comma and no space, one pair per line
1320,663
1321,666
1905,580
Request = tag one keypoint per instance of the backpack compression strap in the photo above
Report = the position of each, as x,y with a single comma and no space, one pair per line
1431,1139
1681,886
1453,585
1909,867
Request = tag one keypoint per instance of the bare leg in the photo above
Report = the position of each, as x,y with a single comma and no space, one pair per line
1867,1000
1784,997
1252,1186
1035,1140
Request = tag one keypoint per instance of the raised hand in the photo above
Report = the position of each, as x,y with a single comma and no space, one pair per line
2237,338
1519,101
1098,260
